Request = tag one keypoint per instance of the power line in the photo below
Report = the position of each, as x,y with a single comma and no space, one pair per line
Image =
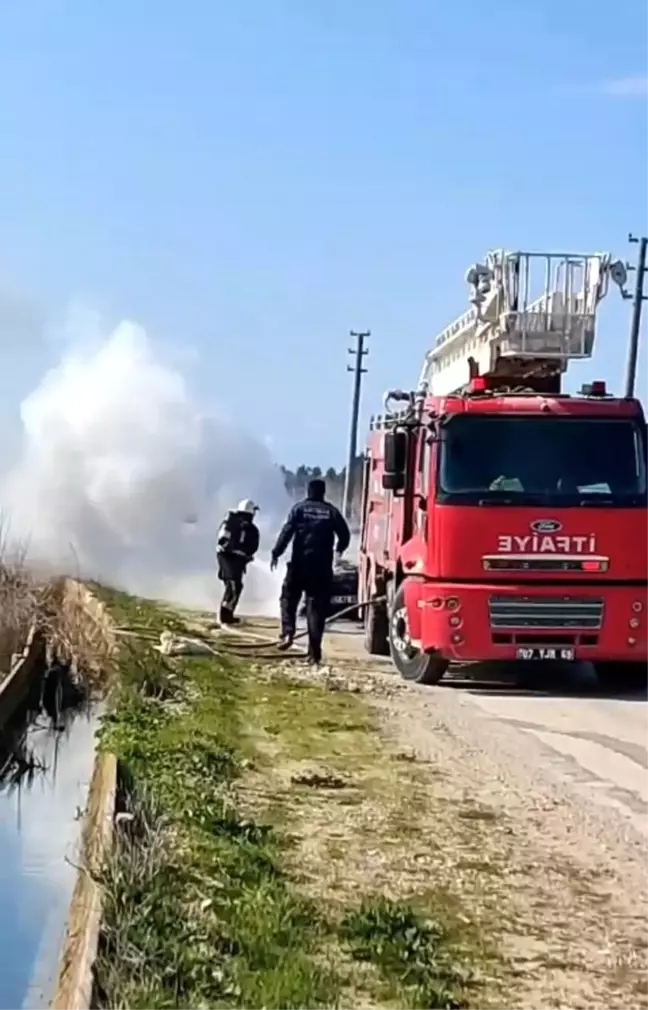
635,322
359,352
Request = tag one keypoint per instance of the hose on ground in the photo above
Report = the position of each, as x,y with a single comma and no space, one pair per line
329,620
247,649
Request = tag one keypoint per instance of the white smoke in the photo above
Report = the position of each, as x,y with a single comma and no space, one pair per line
116,457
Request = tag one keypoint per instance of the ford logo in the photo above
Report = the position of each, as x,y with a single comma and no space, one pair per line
546,526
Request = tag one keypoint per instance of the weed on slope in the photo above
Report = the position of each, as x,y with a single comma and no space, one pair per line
201,904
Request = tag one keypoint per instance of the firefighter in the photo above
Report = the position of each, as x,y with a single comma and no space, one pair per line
313,525
237,543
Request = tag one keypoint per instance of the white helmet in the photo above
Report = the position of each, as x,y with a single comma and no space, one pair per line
247,505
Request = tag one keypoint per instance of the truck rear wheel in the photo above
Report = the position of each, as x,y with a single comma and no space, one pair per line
412,664
622,676
375,630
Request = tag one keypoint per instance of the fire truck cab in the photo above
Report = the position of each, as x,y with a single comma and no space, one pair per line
503,519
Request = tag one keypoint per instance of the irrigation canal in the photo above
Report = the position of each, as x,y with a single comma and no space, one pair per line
46,759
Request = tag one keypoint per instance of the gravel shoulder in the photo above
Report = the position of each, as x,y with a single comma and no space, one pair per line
545,844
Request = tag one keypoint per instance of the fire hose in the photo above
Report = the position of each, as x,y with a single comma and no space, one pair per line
247,649
243,649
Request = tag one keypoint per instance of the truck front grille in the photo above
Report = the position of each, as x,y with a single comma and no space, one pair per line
527,612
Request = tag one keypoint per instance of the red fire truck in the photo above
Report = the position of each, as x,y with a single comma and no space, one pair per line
504,520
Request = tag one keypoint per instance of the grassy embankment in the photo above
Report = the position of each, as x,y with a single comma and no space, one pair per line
228,885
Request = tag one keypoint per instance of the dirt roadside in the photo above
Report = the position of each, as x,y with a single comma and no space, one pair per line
476,811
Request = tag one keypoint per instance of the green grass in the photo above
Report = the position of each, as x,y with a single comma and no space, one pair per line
314,724
418,958
203,915
200,910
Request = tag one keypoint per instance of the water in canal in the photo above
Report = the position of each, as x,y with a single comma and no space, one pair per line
46,763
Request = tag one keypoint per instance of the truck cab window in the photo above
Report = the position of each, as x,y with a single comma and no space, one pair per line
558,461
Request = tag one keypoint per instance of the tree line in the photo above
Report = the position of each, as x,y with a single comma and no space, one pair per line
296,482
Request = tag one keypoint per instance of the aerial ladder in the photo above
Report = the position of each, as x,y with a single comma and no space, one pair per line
530,315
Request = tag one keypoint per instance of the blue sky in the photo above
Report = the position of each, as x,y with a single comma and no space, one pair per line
256,178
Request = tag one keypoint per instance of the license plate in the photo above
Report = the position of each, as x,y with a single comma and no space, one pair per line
545,652
343,599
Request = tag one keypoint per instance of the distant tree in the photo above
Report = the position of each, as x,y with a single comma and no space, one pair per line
301,476
288,479
297,481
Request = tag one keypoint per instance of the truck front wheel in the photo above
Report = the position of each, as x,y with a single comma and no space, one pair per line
622,676
409,660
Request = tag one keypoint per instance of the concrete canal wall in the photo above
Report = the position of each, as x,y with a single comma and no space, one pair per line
51,854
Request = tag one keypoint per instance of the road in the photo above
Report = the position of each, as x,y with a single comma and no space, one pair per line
597,745
564,777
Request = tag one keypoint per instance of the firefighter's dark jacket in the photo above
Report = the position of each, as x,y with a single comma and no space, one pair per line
238,535
313,527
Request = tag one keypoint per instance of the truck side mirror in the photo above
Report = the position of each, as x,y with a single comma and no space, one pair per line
393,481
395,452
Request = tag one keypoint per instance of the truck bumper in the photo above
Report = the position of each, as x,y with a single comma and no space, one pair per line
495,622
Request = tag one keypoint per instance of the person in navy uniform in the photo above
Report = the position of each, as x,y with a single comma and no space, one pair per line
236,545
313,525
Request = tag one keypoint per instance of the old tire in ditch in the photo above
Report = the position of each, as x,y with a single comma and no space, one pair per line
621,676
412,664
375,630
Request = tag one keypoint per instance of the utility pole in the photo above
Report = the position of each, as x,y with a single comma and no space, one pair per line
635,324
358,371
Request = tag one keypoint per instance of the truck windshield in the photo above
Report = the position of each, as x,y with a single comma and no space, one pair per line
560,461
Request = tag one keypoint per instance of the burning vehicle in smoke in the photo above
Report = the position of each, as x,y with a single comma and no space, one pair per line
345,589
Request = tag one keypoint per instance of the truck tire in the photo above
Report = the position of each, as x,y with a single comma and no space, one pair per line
622,676
375,630
412,664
